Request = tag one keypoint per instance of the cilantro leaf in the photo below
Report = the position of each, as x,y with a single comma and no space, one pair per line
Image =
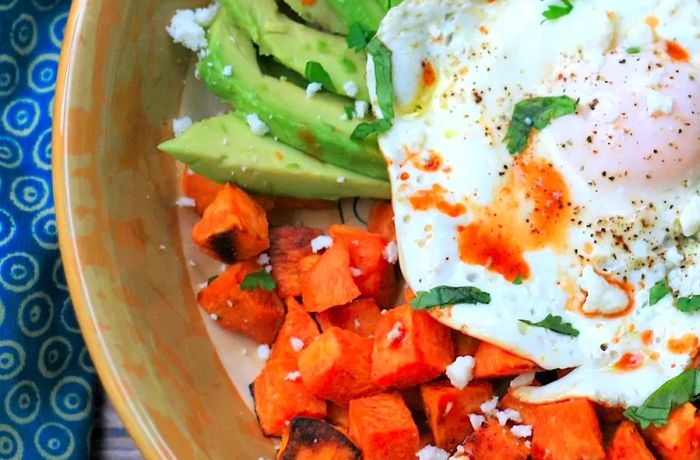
441,296
658,291
261,279
317,74
349,112
554,323
535,113
688,304
634,50
657,407
518,280
381,57
358,36
364,130
557,11
211,279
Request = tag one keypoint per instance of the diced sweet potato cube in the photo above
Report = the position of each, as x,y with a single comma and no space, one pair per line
628,444
381,220
465,345
288,246
448,409
338,416
495,442
298,331
280,396
257,313
360,316
313,439
410,348
679,439
234,227
200,188
492,361
336,366
566,430
383,428
329,283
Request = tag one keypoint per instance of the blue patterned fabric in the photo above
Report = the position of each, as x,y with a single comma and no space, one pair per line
46,376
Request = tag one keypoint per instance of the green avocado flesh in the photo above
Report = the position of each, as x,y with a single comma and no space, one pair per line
295,44
368,13
319,13
224,149
310,125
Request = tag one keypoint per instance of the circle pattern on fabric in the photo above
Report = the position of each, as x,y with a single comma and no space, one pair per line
70,322
35,314
10,152
21,116
42,150
29,193
44,229
23,34
23,402
71,398
58,276
42,73
12,357
18,271
54,356
11,447
57,28
9,74
86,362
7,227
54,441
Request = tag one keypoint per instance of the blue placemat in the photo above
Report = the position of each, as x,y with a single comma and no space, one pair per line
46,377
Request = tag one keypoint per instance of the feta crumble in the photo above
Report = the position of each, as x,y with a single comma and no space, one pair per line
361,108
432,453
263,259
227,71
690,217
293,376
297,343
460,371
396,332
350,88
180,125
448,408
185,202
257,126
522,431
602,297
263,352
489,406
391,252
187,26
523,380
214,316
476,420
340,180
162,247
507,414
320,243
658,104
355,272
312,89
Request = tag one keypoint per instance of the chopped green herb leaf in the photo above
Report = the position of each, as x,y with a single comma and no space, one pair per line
381,57
364,130
358,36
349,112
658,291
211,278
535,113
554,323
634,50
448,295
688,304
261,279
657,407
317,74
557,11
518,280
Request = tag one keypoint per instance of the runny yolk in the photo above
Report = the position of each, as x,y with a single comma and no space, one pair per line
429,76
531,210
434,197
676,51
685,344
630,360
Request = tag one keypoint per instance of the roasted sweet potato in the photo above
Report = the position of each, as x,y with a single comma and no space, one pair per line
410,348
336,366
234,227
298,331
628,444
465,345
201,189
288,246
313,439
338,416
360,316
492,361
381,220
280,396
256,313
495,442
329,283
383,428
448,409
679,439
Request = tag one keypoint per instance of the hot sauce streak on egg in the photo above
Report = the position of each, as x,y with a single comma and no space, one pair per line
686,344
429,76
434,198
630,360
429,162
677,52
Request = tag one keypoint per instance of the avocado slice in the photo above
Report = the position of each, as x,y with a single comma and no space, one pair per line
320,13
311,125
295,44
368,13
224,149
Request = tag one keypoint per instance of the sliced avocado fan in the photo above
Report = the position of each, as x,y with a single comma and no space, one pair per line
319,13
224,149
294,44
311,125
368,13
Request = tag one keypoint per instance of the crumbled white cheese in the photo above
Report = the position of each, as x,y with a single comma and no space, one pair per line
180,125
185,202
263,352
223,267
192,263
448,408
350,88
476,420
356,323
205,16
361,109
460,371
312,89
391,252
601,296
522,431
432,453
489,406
297,343
268,268
293,376
507,414
263,259
658,104
214,316
187,26
355,272
227,71
690,217
202,285
320,243
257,126
396,332
229,303
340,180
522,380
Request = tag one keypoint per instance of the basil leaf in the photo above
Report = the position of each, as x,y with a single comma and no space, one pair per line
518,280
317,74
448,295
658,291
535,113
688,304
634,50
364,130
349,112
657,407
557,11
211,278
381,56
261,279
554,323
358,36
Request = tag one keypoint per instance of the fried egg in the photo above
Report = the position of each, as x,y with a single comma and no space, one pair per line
602,205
